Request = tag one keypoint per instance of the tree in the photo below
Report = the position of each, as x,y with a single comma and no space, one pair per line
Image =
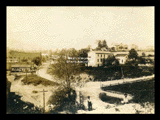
50,52
24,60
44,58
89,47
73,52
141,60
104,44
116,62
143,54
101,44
64,69
133,54
37,61
83,52
111,60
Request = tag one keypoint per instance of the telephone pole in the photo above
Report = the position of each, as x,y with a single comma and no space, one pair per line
122,72
26,74
43,100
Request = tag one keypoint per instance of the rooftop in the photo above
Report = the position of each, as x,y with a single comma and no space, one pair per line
101,52
119,55
21,65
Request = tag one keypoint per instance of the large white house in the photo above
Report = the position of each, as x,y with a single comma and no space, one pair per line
121,58
95,58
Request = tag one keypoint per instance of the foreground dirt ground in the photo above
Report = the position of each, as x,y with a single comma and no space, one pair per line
93,90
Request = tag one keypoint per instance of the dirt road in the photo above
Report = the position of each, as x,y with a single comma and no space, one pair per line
93,90
42,72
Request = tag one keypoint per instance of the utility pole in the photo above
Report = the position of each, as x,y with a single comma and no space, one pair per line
122,73
43,100
26,74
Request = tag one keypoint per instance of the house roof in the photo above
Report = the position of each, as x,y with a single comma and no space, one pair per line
20,65
146,57
121,55
101,52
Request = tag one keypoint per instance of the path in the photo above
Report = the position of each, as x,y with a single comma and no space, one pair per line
92,86
42,72
26,91
93,90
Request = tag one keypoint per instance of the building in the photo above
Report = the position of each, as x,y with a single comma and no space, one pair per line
133,46
149,58
95,58
119,47
15,58
21,67
150,48
12,60
121,57
44,54
54,57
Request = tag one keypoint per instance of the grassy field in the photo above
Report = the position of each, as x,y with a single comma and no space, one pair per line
36,80
142,91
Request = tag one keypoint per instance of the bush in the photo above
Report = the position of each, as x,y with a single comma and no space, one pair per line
103,96
132,63
109,99
62,99
37,80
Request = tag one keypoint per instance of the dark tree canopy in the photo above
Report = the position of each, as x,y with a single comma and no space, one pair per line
102,44
111,60
141,60
143,54
133,54
99,44
37,61
63,68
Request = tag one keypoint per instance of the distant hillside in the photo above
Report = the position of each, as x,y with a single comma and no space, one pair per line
22,55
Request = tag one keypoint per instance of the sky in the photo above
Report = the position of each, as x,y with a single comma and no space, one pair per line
35,28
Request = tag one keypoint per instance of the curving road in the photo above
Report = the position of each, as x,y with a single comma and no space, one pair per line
42,72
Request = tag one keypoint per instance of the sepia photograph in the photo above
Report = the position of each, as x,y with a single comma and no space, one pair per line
80,60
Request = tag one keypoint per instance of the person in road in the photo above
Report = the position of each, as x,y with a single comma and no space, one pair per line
89,104
125,99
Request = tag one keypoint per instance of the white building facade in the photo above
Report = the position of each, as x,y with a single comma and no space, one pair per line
95,58
121,58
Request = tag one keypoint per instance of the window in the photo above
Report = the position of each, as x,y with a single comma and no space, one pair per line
101,60
104,55
97,60
120,47
101,55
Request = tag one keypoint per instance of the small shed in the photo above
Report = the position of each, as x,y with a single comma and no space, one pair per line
20,67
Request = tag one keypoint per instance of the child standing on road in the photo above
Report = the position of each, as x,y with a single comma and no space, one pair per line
89,104
125,99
